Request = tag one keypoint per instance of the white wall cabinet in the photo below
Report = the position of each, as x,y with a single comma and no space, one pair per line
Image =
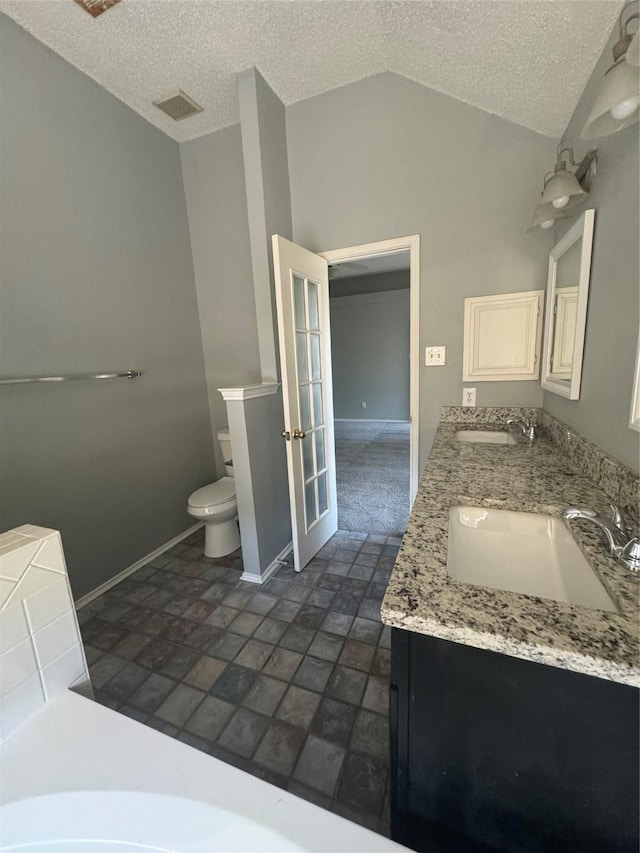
502,336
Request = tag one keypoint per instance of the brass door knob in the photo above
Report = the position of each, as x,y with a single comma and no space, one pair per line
298,433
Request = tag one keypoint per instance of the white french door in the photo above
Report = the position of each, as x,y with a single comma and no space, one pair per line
302,298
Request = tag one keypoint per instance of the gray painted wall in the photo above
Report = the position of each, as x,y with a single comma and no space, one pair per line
269,475
264,144
266,169
602,412
370,355
96,275
214,185
386,157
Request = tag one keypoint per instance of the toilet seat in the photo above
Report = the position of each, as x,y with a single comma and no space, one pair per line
223,491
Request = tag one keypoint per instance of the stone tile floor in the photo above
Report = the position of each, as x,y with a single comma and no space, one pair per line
287,681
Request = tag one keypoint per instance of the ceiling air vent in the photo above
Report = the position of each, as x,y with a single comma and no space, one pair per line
96,7
178,106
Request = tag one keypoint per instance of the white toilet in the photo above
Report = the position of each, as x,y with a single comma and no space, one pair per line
216,505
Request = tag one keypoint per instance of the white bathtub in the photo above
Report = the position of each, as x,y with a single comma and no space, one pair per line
97,821
80,777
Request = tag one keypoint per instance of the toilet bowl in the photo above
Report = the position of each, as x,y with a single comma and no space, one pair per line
216,505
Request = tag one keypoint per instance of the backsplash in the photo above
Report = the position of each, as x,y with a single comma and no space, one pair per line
487,414
41,653
617,481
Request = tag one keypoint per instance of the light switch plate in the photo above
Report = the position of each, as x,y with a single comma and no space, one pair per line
435,356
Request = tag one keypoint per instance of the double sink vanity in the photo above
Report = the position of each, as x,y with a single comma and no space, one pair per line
514,708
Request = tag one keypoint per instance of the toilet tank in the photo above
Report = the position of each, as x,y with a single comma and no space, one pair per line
225,447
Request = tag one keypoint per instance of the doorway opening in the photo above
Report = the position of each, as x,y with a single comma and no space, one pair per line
373,292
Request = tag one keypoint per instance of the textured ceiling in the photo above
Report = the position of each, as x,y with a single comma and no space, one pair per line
525,60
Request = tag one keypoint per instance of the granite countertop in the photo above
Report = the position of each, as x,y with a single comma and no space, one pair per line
527,477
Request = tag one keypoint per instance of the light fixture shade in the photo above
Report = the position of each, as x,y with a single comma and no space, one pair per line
621,83
545,213
563,183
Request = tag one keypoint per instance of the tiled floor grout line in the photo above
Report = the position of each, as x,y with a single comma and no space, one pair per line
182,571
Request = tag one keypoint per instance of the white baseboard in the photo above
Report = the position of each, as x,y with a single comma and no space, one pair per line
369,420
90,596
271,568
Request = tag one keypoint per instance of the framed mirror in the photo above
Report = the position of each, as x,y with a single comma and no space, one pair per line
566,309
634,417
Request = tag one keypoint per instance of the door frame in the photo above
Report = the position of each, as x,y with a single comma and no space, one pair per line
391,247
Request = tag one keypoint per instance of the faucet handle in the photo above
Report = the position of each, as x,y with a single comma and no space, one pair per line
630,555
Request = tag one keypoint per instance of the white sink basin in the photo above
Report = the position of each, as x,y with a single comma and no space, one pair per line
479,436
521,552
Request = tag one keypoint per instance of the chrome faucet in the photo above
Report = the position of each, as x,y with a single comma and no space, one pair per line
528,427
622,545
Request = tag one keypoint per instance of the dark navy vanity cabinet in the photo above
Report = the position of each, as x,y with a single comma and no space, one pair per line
489,752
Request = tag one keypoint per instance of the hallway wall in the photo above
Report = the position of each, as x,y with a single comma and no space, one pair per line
370,355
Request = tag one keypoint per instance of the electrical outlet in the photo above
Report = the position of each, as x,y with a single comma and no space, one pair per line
363,404
468,396
435,356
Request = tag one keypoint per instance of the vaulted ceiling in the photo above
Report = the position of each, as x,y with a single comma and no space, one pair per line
525,60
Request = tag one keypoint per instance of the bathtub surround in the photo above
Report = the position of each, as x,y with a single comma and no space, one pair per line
96,276
41,653
602,412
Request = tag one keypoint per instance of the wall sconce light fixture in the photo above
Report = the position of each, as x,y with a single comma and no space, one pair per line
564,189
617,103
545,216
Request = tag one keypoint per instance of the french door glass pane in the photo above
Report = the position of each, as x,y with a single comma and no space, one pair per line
319,439
322,493
310,502
312,295
318,416
307,457
306,306
298,301
301,353
305,407
316,372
